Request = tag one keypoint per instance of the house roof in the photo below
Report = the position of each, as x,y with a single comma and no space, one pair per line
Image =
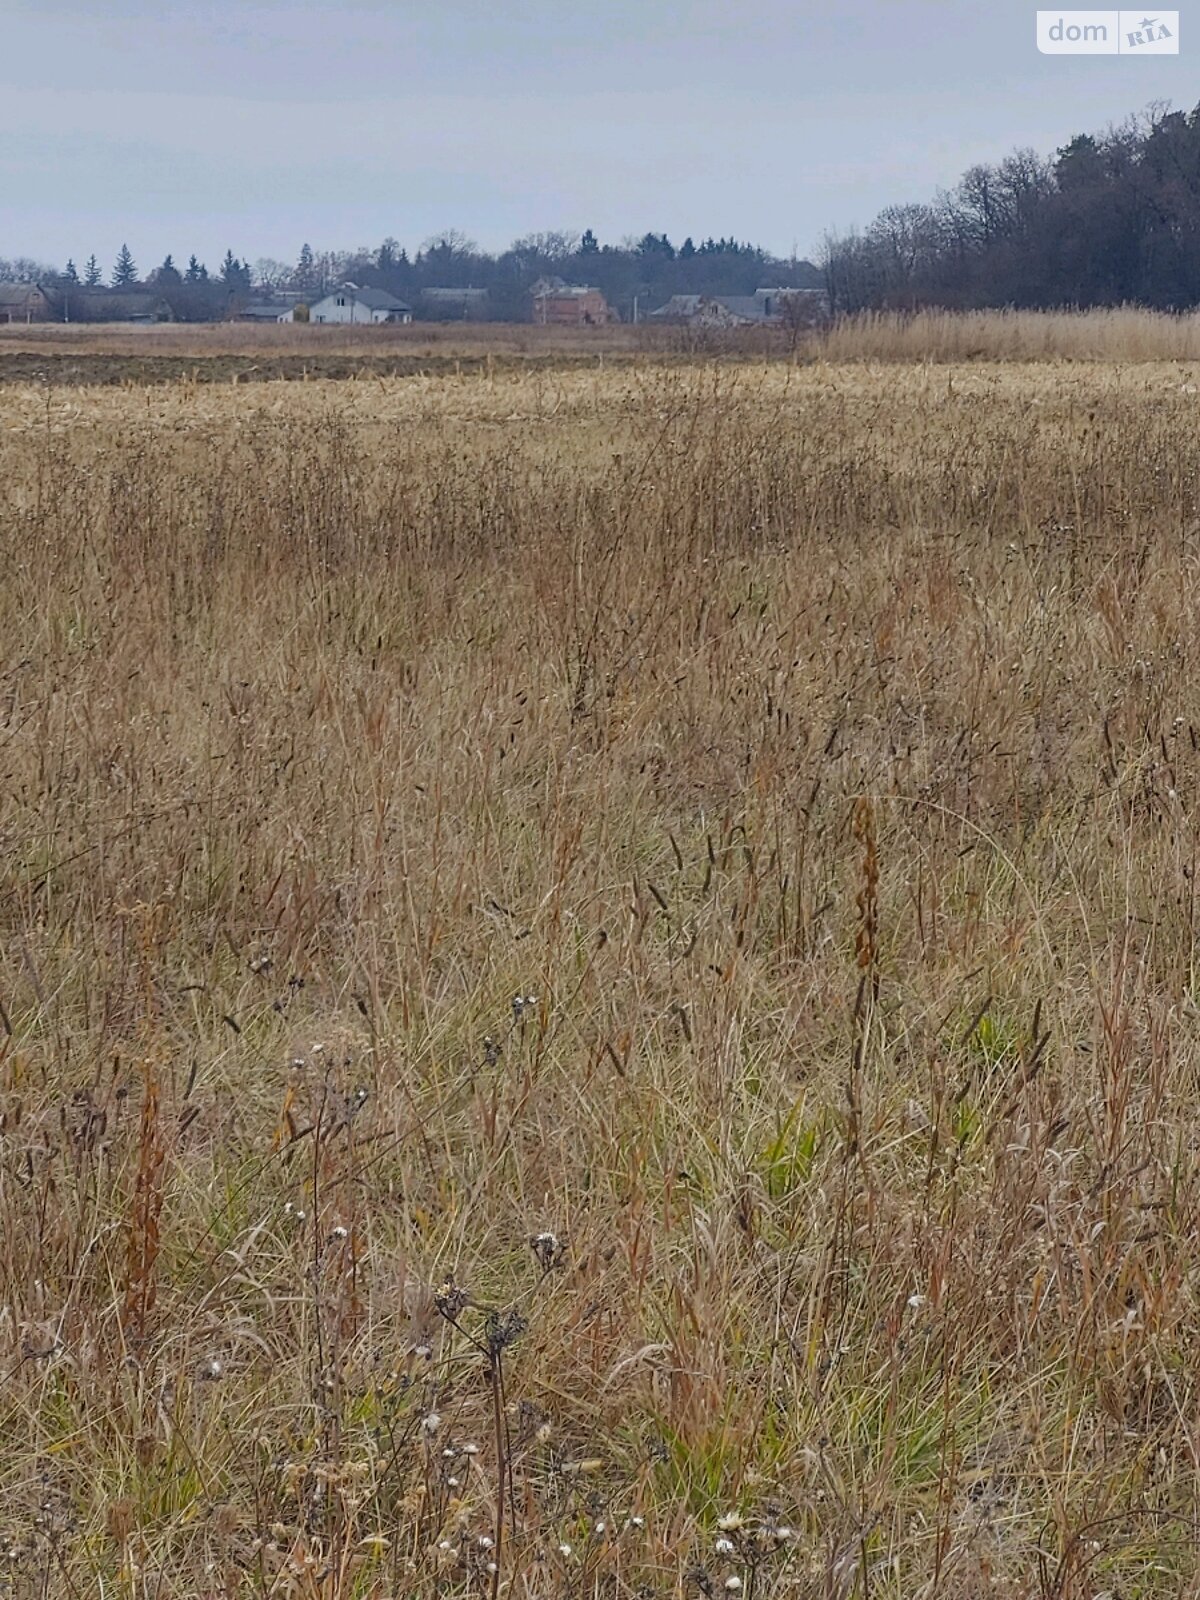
130,303
116,305
18,294
742,305
736,307
373,299
267,311
679,305
562,291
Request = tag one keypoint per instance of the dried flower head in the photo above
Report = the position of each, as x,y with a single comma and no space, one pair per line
503,1329
547,1249
451,1300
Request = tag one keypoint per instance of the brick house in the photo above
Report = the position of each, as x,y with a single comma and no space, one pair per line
569,305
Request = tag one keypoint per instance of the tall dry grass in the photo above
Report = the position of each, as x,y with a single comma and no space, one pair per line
597,986
1125,334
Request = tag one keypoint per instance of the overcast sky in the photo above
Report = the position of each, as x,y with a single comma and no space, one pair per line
259,126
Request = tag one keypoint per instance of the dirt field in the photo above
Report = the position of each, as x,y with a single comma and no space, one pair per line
117,353
597,978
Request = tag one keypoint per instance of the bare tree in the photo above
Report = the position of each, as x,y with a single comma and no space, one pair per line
271,274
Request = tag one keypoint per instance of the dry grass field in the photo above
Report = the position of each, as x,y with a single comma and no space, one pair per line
598,990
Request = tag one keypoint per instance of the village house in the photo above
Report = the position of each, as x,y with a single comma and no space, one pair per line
569,305
766,307
140,306
267,311
352,304
24,302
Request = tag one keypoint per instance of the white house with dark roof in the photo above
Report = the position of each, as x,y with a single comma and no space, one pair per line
349,303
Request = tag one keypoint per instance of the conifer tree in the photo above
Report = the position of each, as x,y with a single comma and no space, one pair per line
125,272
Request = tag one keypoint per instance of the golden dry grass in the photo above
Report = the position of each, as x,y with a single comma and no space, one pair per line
584,953
1125,334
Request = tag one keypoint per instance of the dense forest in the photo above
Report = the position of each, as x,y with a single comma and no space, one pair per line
1108,220
647,270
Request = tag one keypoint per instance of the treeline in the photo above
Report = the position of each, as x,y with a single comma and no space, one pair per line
1108,220
647,271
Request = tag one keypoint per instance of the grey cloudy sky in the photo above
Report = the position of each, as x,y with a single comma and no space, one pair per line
258,126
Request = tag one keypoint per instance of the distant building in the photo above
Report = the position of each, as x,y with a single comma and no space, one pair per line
454,305
24,302
352,304
266,311
804,307
763,308
569,305
144,306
